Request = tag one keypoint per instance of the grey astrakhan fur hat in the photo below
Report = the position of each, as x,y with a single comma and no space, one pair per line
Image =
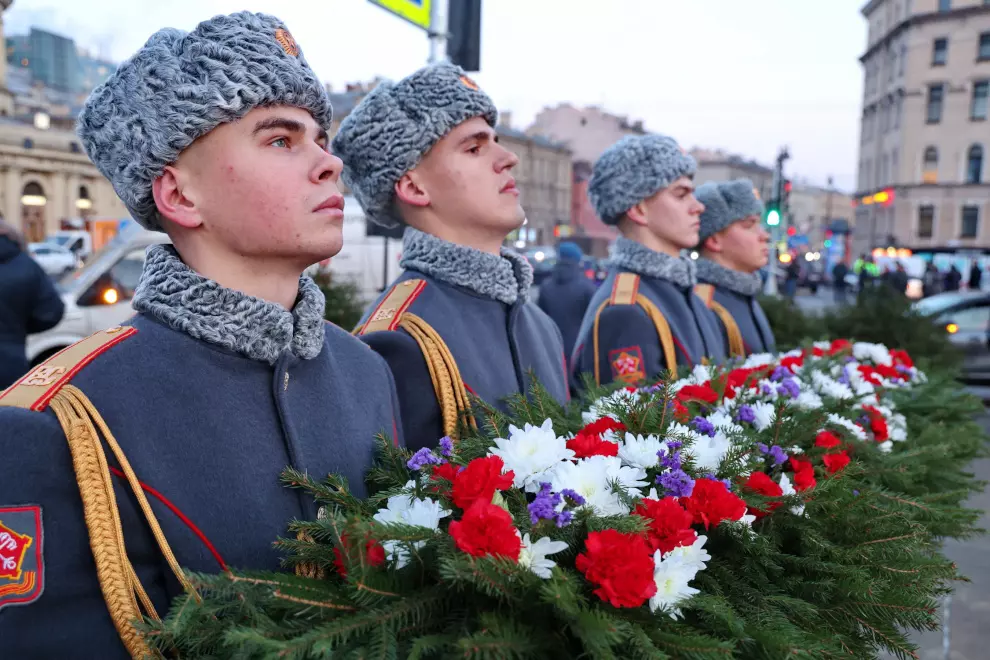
396,124
633,169
180,86
726,202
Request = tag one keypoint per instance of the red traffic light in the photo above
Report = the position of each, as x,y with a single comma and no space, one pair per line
787,187
792,230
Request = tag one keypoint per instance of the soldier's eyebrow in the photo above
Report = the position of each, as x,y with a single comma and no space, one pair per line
284,123
480,136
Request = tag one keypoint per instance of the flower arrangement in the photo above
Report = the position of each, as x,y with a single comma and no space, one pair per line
741,512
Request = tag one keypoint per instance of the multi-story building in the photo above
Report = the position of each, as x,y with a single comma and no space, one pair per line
923,179
717,165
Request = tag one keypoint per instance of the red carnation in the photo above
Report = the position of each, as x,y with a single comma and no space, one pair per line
760,482
711,502
670,524
889,372
621,565
703,393
827,440
585,445
479,481
870,374
901,358
738,378
836,462
446,471
602,426
375,555
486,530
680,412
878,424
840,346
793,362
804,474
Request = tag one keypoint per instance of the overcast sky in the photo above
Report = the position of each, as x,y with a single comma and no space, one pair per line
744,75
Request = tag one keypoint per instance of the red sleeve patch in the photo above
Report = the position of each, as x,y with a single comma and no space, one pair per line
627,364
22,566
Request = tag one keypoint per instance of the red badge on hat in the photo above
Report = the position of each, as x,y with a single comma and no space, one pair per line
627,364
22,568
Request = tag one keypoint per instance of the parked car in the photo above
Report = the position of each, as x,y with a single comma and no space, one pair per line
98,295
54,259
965,315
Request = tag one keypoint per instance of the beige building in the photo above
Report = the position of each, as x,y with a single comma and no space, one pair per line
45,177
812,210
923,179
717,165
586,131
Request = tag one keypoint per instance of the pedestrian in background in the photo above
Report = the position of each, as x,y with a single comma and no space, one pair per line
566,294
975,277
29,303
839,285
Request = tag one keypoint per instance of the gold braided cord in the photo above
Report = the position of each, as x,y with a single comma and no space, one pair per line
659,322
446,377
106,541
737,348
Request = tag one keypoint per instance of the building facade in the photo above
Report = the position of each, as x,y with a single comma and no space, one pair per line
922,172
717,165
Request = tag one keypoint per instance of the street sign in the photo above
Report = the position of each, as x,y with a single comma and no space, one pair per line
416,12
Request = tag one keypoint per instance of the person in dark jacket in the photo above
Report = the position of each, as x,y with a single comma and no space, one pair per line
226,375
975,277
565,296
734,247
29,303
423,153
839,285
645,320
953,278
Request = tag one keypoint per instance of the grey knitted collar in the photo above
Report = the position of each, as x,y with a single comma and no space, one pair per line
640,259
186,301
745,284
506,278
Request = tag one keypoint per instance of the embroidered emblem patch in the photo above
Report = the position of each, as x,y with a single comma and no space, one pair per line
627,364
287,42
470,84
22,568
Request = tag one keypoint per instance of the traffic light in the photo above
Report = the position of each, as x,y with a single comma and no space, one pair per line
464,34
773,217
792,231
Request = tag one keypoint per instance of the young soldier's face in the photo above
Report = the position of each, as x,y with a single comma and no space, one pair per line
266,186
673,214
742,245
467,176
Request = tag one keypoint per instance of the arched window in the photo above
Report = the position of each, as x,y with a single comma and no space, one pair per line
84,203
929,166
974,164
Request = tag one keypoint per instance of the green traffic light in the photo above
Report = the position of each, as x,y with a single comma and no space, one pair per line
773,217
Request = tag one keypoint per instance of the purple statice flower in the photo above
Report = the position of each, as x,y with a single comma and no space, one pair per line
422,458
446,446
849,359
763,448
856,493
544,507
572,496
703,426
768,389
779,374
746,414
778,455
564,518
901,369
728,484
676,483
790,388
670,459
844,376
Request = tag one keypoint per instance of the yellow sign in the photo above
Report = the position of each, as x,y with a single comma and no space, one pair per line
416,12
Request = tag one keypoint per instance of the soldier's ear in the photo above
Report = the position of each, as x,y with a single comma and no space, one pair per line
410,190
175,198
637,214
712,244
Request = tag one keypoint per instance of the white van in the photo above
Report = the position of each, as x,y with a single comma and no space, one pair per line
98,295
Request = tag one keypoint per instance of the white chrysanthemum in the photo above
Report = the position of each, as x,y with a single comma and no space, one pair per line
534,555
641,452
807,400
886,446
830,387
823,345
876,353
788,489
747,520
758,360
765,414
848,425
409,510
708,452
600,408
795,450
672,577
530,452
692,555
898,427
701,374
858,384
723,420
591,478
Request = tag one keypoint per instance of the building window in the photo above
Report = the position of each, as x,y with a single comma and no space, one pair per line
898,108
926,221
978,108
935,94
901,60
28,143
970,222
944,5
940,51
984,52
929,168
974,164
74,147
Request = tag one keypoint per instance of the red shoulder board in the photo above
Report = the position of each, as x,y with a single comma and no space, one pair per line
22,565
39,385
389,312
